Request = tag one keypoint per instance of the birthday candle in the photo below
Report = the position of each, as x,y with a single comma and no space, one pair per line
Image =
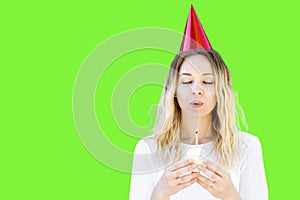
196,137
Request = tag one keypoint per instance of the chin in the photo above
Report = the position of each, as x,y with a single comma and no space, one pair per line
197,114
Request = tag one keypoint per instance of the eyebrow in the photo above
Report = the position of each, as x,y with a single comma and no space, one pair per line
188,74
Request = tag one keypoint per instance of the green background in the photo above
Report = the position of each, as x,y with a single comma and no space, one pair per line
43,45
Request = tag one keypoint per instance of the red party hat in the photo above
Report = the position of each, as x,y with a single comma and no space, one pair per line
194,35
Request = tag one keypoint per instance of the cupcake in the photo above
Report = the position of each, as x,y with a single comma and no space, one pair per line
194,152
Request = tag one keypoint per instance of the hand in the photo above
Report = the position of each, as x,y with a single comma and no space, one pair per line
175,178
219,182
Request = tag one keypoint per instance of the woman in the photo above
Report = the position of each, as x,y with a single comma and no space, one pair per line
198,98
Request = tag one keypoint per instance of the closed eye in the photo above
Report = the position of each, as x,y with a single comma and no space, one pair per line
207,82
187,82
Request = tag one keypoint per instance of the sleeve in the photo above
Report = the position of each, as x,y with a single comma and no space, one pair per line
253,184
142,179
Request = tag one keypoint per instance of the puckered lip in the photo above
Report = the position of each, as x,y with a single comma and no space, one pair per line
197,103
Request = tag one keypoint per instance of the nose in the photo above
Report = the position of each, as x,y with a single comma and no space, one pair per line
197,92
197,89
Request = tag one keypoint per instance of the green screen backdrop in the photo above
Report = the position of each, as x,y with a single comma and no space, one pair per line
45,46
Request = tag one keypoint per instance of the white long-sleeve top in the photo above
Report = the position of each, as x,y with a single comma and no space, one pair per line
248,177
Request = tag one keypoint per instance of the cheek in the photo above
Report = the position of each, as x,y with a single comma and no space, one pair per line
181,94
182,91
212,99
211,92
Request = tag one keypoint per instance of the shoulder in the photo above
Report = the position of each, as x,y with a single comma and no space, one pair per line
250,148
145,156
145,145
248,141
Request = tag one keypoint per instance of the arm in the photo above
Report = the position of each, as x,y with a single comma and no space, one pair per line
174,178
142,182
253,184
217,182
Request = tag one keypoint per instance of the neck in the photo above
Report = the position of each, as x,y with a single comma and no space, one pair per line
189,126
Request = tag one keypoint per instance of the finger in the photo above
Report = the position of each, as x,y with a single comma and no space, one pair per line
180,164
211,175
209,188
187,178
187,184
184,170
212,167
207,182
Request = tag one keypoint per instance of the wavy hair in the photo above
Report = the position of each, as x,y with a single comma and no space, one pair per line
167,127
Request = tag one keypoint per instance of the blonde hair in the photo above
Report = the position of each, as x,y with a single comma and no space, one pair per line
166,130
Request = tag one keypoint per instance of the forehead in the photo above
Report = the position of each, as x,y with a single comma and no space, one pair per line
196,64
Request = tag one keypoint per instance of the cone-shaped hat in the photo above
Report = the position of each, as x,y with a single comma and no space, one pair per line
194,35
